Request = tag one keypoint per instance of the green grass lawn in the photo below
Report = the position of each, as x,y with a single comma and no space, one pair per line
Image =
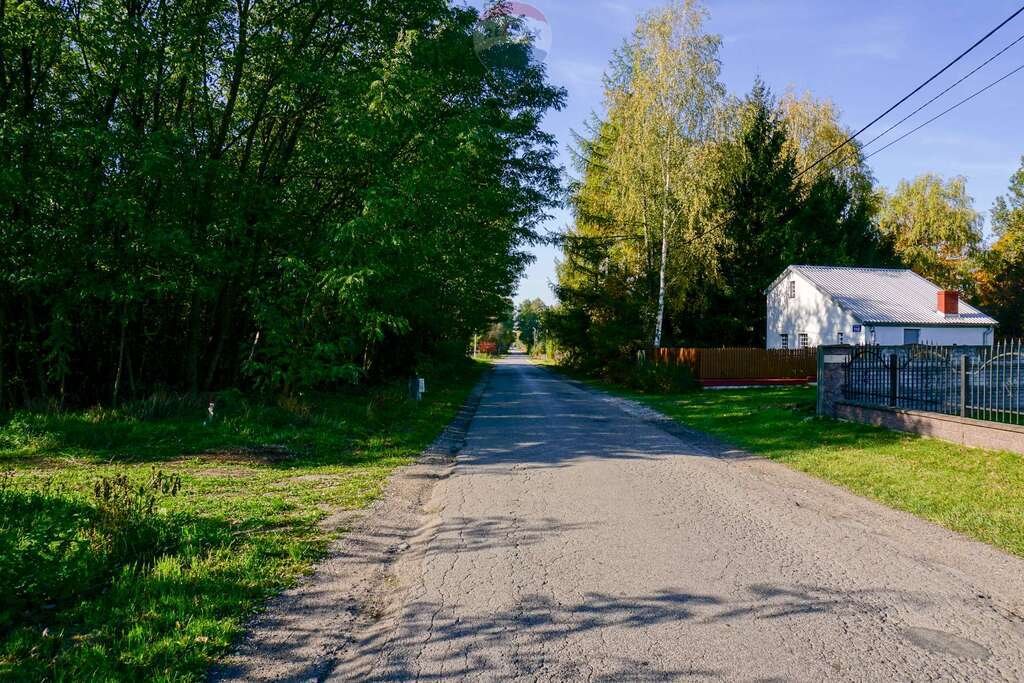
978,493
111,582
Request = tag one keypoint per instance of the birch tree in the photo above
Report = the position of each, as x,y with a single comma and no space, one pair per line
662,98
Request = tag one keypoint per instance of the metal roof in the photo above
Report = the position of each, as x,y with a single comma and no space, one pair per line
881,296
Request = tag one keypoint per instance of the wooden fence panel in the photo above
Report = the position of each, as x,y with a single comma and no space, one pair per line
742,363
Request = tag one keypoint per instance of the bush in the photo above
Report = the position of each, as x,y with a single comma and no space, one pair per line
61,547
651,378
161,405
126,524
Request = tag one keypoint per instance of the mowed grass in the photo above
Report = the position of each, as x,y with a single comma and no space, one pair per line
97,587
978,493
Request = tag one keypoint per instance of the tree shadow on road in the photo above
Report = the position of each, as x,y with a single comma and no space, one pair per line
541,637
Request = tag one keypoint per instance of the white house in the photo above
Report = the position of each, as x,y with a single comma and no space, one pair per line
814,305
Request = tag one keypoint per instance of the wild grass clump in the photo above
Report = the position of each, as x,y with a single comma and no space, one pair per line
63,547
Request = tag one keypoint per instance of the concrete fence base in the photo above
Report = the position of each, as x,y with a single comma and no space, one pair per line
959,430
832,361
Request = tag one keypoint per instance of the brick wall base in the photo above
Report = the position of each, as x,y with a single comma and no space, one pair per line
958,430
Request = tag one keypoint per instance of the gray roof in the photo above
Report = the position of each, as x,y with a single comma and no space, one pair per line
880,296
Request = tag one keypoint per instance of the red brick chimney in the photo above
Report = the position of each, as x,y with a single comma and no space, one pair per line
949,302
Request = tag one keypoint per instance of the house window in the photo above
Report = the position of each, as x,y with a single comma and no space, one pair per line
805,341
840,338
911,336
792,289
784,341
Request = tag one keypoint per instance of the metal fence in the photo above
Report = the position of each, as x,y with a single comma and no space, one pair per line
985,385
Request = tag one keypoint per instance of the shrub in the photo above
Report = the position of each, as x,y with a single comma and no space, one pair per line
652,378
61,547
387,402
126,520
300,412
162,405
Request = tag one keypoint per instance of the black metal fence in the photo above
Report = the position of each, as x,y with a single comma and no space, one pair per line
984,384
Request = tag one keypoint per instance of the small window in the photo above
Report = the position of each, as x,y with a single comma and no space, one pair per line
784,341
805,341
841,338
792,289
911,336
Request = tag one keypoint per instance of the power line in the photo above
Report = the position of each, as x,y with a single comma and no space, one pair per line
939,116
925,105
912,93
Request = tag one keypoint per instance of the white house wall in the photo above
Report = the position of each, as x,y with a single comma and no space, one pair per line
810,313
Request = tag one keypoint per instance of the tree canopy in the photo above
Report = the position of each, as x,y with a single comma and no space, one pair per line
688,202
1001,281
934,229
679,228
212,192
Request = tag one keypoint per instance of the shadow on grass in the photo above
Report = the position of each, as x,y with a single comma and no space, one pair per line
74,607
336,431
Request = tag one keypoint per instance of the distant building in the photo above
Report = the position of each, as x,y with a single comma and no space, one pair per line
815,305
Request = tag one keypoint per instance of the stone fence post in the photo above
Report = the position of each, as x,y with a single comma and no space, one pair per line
831,360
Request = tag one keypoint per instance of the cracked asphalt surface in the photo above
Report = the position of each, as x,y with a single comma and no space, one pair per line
578,538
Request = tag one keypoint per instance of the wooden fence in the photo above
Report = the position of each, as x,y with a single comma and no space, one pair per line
711,365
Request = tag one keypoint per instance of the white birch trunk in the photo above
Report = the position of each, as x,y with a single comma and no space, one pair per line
664,263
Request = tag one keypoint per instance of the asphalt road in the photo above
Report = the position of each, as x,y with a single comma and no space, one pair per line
579,541
576,538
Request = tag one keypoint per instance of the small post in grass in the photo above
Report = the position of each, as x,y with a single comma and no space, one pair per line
417,387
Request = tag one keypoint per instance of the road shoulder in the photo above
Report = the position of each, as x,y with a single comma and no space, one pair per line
337,617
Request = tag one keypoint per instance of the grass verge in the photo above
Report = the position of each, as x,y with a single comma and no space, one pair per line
972,491
134,543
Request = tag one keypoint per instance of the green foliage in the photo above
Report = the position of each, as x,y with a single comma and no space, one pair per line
774,218
754,215
530,318
196,195
1001,276
125,514
110,576
64,547
934,229
651,378
500,334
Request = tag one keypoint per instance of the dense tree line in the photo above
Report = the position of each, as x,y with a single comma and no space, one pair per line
689,202
280,193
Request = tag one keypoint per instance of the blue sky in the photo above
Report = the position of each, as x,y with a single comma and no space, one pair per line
862,55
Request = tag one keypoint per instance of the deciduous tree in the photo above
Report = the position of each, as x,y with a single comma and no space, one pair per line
934,229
